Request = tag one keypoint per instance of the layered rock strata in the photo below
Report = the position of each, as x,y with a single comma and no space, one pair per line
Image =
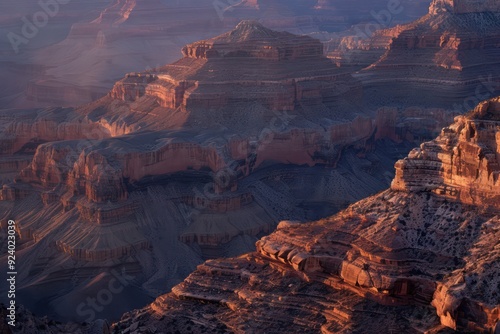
462,163
276,70
91,44
450,56
188,161
419,257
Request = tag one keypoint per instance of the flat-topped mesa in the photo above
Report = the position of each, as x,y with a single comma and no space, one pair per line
251,39
464,6
462,163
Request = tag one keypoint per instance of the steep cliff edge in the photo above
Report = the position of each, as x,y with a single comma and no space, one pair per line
420,257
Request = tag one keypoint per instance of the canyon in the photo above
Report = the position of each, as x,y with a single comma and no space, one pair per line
419,257
449,55
262,128
188,161
88,45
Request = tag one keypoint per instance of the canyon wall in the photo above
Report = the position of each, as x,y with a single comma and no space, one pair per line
197,159
426,257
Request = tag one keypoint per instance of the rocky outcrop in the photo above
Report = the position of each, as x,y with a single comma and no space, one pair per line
250,294
456,298
421,259
461,163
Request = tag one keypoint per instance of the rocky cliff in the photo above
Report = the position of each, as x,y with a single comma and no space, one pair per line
420,257
461,163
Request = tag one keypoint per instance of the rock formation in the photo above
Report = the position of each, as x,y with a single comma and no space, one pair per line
275,71
89,44
450,56
421,256
251,39
461,163
192,160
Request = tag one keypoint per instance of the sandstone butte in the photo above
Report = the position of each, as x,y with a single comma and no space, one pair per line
422,256
450,56
192,160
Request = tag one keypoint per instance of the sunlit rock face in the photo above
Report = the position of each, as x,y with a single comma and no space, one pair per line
422,255
461,163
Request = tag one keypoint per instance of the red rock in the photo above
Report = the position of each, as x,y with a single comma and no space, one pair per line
410,252
192,159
